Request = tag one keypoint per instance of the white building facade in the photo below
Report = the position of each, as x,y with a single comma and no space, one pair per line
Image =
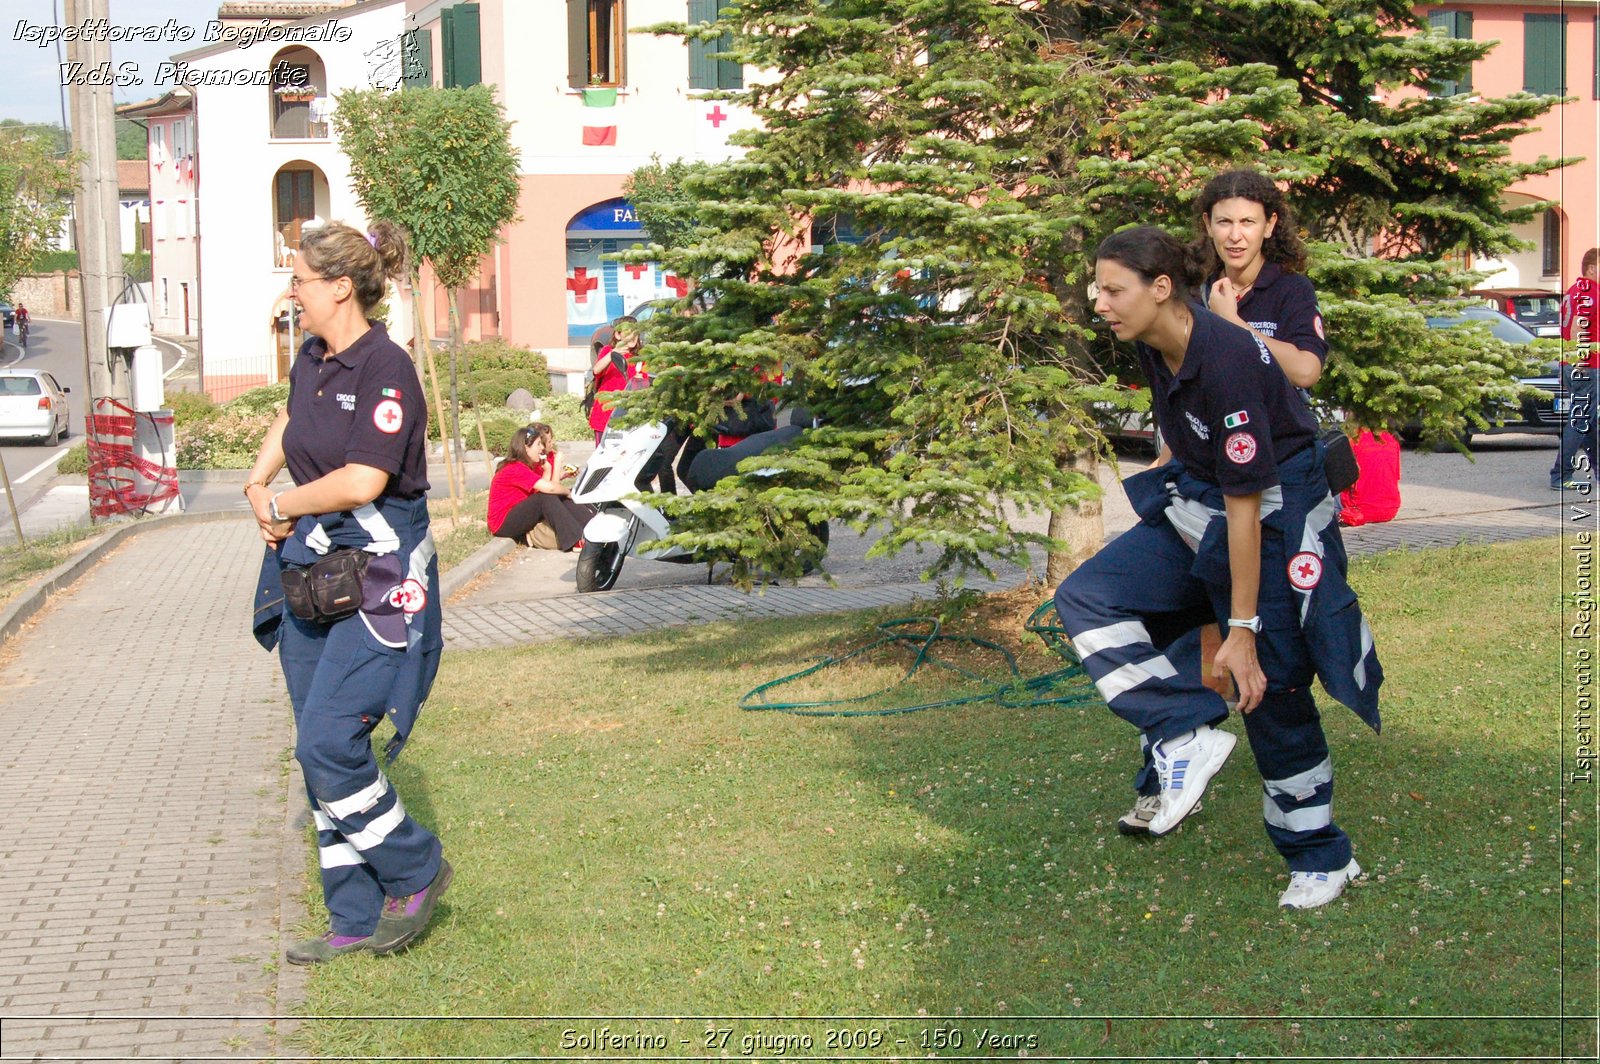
273,170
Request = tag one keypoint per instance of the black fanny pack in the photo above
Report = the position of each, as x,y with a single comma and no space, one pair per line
328,590
1339,460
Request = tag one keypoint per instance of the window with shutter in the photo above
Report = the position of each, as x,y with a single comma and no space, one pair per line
461,46
596,34
1550,245
1544,54
702,68
706,72
416,58
1456,25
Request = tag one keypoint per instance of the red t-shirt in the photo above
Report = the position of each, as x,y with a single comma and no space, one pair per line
512,483
609,380
1579,317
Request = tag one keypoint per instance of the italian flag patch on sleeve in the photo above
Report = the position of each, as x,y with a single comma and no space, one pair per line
391,393
1233,421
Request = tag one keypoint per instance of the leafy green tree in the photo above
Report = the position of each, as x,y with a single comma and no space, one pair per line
440,163
133,140
908,235
664,206
35,197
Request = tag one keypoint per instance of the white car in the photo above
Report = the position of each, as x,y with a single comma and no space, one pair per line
33,406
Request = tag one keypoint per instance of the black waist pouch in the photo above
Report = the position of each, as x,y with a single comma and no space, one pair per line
1339,460
328,590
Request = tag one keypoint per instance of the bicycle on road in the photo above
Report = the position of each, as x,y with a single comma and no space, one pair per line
22,334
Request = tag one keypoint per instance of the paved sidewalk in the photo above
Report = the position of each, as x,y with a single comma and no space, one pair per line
145,861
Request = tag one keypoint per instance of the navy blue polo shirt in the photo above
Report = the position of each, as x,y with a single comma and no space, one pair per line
1229,415
1283,306
363,405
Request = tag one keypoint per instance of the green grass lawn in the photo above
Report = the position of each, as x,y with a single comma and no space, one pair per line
629,843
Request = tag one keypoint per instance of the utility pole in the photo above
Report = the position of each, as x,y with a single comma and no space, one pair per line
98,230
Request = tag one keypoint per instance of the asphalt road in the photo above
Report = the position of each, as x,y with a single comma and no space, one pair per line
57,347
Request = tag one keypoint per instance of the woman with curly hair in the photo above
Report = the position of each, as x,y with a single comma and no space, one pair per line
1254,261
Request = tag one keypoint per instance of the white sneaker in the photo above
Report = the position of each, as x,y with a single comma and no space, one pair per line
1185,769
1136,821
1309,890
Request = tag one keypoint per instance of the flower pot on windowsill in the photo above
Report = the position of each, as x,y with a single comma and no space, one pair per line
297,97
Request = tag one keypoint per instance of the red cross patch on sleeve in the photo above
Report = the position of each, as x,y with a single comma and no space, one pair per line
388,416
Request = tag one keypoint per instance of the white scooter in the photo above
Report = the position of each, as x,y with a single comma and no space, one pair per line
621,521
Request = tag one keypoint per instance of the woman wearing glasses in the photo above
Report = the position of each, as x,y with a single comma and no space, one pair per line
353,436
527,491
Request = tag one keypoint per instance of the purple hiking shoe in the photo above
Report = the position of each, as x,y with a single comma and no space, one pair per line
403,919
328,947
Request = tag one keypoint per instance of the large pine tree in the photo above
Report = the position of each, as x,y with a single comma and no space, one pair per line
907,236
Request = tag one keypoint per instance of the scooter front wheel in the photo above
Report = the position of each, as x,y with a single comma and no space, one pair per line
599,565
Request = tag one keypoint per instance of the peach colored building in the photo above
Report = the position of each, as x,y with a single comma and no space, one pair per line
591,102
1546,46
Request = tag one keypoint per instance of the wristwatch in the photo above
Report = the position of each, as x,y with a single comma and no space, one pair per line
272,508
1252,623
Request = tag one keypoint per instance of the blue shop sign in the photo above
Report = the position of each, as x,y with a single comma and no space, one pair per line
613,217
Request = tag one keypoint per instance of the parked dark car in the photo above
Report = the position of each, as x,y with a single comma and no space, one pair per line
9,313
1541,414
1534,309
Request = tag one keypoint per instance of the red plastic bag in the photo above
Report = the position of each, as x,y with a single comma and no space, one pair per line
1376,496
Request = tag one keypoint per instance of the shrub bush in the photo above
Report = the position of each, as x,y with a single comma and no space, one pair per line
226,436
190,408
494,369
268,399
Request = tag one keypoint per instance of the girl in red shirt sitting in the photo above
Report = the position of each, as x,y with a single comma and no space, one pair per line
527,490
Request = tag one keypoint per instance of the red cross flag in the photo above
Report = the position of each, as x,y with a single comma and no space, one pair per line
586,297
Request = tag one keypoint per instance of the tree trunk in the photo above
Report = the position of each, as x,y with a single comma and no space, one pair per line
429,374
455,386
1082,528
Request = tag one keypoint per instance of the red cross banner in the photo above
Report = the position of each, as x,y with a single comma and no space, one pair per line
636,283
586,296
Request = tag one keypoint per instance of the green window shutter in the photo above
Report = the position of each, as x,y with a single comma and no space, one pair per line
463,58
1457,25
416,58
702,68
1544,54
447,47
730,75
577,43
1446,21
469,46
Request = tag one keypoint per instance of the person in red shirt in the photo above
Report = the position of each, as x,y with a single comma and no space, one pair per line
619,368
527,490
1578,325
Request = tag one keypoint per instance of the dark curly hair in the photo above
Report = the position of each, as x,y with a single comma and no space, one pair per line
1283,247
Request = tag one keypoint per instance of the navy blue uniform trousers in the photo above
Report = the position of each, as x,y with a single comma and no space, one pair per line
340,681
1137,599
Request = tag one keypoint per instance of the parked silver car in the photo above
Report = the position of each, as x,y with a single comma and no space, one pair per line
33,406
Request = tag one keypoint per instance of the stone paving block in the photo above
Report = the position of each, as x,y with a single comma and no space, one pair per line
159,854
